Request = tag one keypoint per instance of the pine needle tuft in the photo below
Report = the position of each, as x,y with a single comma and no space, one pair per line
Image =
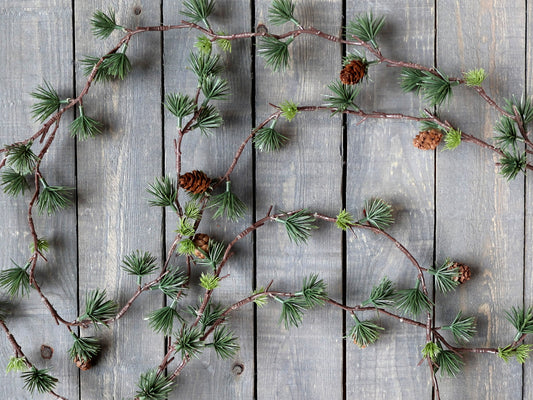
343,97
275,52
364,333
154,386
225,343
84,127
282,11
377,213
103,25
475,77
53,198
462,329
16,280
21,158
47,104
299,226
13,182
366,27
97,308
84,348
38,380
228,204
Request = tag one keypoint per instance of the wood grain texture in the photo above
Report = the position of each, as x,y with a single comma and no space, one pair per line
303,363
114,217
382,163
36,45
480,214
221,379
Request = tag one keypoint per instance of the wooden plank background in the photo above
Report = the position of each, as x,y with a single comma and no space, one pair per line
447,204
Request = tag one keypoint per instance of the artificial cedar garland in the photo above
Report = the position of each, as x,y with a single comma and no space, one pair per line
191,114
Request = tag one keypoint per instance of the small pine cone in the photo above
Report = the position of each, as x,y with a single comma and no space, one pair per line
353,72
83,365
195,182
464,272
428,140
201,241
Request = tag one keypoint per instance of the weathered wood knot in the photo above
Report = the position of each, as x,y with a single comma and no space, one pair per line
46,352
237,368
137,10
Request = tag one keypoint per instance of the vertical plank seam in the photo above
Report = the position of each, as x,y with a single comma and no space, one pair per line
344,149
525,191
435,155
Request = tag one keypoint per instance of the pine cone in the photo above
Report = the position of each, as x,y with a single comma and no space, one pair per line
428,140
353,72
201,241
83,365
195,182
464,272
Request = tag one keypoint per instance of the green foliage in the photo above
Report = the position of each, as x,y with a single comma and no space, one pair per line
524,108
475,77
289,109
13,182
53,198
198,10
203,44
16,280
314,291
173,282
511,164
382,295
192,210
209,281
97,308
377,213
275,52
103,25
462,329
506,133
153,386
431,350
88,63
521,319
452,139
84,127
521,353
223,44
292,311
366,27
269,139
204,65
212,313
189,342
282,11
364,333
343,97
180,105
84,348
186,246
429,124
353,55
38,380
116,65
299,226
215,88
139,264
413,301
47,104
208,118
225,343
446,278
344,220
185,228
228,204
21,158
435,87
214,255
262,299
17,364
42,245
162,320
164,192
448,363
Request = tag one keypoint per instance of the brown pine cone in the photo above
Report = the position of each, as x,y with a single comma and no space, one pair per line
353,72
428,140
195,182
83,365
201,241
464,272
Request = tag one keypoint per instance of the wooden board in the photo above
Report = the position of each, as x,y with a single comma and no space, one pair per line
39,34
114,217
480,214
382,163
304,362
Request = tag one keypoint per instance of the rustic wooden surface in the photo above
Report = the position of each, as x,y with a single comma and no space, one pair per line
447,204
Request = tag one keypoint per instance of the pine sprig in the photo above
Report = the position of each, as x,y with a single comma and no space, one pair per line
84,127
521,353
382,295
203,44
139,264
209,281
185,227
192,210
223,44
262,299
164,192
282,11
204,65
314,291
215,88
475,77
343,97
292,311
212,313
88,63
198,10
208,119
446,278
521,319
214,255
186,246
435,87
299,226
269,139
162,319
289,110
103,25
344,220
48,102
97,308
448,363
377,213
84,348
506,133
153,386
38,380
366,27
228,204
173,282
275,52
42,245
413,301
53,198
225,343
452,139
189,342
16,280
511,164
16,364
431,350
179,105
524,107
364,333
21,158
13,182
462,329
117,65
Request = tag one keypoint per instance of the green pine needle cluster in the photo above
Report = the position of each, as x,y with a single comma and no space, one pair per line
299,226
413,301
209,118
215,88
228,204
185,227
446,278
262,299
204,65
431,350
173,282
364,333
314,291
521,319
275,52
223,44
203,44
292,311
38,380
16,280
225,343
512,163
153,386
435,87
16,364
343,97
269,139
344,220
282,11
462,329
103,25
212,313
192,211
429,124
97,308
506,132
452,139
448,363
289,109
84,348
13,182
189,342
475,77
198,10
214,255
521,352
179,105
114,66
164,192
377,213
48,102
366,27
42,245
162,319
53,198
186,247
209,281
21,158
139,264
524,108
382,295
84,127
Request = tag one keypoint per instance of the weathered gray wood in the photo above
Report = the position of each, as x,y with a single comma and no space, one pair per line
210,377
479,213
36,45
114,217
305,362
382,163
